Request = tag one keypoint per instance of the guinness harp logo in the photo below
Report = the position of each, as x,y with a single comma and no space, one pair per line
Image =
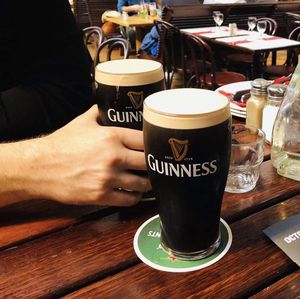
136,98
179,148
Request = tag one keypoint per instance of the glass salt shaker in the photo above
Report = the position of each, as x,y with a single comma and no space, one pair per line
275,96
232,29
256,102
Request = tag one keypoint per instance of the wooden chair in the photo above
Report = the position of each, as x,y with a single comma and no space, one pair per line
105,52
108,46
93,35
245,61
81,13
288,67
167,15
199,65
170,49
292,20
168,37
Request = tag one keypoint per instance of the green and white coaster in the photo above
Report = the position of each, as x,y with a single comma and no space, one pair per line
147,247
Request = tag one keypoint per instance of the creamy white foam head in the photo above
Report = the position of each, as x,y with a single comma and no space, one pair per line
129,72
186,108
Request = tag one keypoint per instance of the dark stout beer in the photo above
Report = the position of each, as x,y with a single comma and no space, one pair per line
122,86
187,136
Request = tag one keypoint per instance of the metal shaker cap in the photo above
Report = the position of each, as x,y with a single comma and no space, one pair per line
276,91
259,86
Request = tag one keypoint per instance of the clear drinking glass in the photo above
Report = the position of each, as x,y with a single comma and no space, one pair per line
247,153
261,27
252,23
143,9
152,9
218,18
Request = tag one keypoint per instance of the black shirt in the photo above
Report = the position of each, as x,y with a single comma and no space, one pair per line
44,68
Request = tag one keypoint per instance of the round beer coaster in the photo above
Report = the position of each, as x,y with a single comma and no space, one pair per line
147,247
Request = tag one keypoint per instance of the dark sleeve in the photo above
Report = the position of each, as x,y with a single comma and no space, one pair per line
45,69
31,110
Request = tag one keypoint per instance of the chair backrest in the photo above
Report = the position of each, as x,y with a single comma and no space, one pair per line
167,13
292,54
169,49
108,46
271,25
93,35
292,20
198,62
295,34
95,9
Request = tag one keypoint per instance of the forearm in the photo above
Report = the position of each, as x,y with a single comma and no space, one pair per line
132,8
20,165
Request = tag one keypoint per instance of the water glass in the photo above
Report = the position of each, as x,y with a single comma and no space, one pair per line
218,18
152,9
247,153
143,9
252,23
261,27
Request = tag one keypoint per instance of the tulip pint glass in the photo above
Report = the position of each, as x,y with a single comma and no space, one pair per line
121,87
187,136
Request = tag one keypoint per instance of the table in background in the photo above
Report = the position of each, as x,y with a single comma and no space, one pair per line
140,23
246,42
52,250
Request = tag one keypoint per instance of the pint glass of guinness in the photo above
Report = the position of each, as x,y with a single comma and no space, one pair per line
187,136
121,87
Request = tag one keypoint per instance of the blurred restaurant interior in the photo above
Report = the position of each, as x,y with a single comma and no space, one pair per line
242,54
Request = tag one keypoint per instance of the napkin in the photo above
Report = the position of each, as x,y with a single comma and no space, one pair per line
230,98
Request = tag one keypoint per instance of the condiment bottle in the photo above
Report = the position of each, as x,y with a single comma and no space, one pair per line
256,102
232,29
270,110
285,152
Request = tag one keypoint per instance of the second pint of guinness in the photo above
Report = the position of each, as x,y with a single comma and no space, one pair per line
121,87
187,136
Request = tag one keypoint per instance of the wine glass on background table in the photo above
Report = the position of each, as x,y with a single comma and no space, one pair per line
261,28
214,15
218,18
252,23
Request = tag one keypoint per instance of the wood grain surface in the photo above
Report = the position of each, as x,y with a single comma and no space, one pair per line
252,263
95,254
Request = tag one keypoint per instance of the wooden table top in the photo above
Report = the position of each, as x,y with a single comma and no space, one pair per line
134,20
52,250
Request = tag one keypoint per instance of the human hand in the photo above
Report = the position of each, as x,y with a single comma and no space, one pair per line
91,164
